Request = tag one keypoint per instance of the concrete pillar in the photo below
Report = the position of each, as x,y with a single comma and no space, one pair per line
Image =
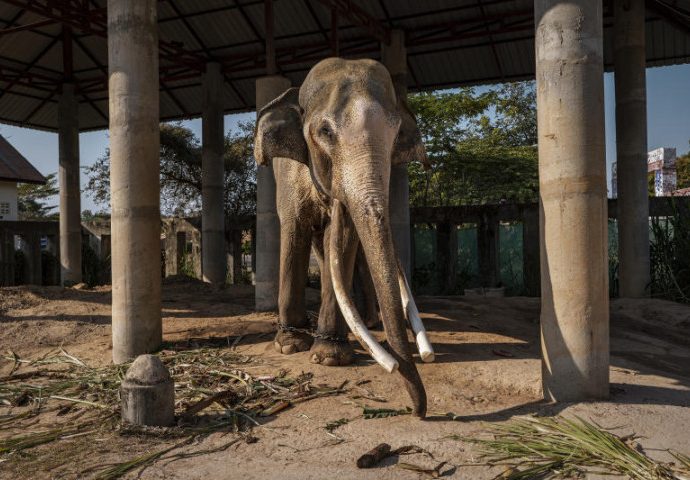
394,57
572,195
631,145
134,177
212,178
267,223
70,192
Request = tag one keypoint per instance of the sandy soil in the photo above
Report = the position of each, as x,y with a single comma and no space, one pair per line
487,370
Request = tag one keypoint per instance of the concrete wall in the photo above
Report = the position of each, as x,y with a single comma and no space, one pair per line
8,195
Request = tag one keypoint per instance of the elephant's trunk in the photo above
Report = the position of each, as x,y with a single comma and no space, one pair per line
368,207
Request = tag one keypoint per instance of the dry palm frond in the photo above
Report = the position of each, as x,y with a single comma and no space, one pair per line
212,394
562,448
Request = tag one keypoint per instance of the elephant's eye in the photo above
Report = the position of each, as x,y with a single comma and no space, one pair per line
326,131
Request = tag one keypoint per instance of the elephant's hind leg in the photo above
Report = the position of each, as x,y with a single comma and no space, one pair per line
295,242
331,346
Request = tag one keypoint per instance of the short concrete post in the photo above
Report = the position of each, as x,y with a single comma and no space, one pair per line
267,223
212,178
134,177
70,193
148,393
488,248
572,194
631,146
394,57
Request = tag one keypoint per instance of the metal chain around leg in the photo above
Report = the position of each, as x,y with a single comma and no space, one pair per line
312,333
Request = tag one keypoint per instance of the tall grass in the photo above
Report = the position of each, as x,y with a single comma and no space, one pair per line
670,256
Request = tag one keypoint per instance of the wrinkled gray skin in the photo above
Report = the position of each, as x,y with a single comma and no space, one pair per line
336,137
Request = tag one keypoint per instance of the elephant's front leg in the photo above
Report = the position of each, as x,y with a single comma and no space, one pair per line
295,242
331,346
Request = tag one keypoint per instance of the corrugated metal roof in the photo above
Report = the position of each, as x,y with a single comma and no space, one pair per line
14,167
450,43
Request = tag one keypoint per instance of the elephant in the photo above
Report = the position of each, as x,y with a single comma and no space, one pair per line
331,144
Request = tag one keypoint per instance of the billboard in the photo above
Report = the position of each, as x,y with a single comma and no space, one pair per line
661,158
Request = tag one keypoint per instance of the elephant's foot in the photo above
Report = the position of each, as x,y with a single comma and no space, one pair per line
331,353
292,342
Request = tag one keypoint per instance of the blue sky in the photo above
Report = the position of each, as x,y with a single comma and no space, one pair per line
668,121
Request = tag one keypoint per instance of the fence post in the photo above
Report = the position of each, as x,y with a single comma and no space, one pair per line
54,249
105,246
236,237
488,249
413,256
7,257
31,247
530,251
446,257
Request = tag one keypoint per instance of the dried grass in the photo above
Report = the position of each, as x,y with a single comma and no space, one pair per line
557,447
58,396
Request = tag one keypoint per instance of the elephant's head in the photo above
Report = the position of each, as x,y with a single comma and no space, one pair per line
349,126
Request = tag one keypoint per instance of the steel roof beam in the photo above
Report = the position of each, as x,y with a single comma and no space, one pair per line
360,17
28,26
93,22
674,15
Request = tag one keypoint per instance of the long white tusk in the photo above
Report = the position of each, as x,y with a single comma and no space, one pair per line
426,351
347,307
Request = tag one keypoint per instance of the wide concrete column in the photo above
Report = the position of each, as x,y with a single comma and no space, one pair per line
572,195
631,145
70,192
134,177
394,57
213,261
267,223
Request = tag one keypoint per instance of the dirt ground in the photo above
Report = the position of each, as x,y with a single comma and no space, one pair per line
487,369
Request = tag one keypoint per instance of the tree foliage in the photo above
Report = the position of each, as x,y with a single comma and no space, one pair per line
683,170
33,200
481,145
180,172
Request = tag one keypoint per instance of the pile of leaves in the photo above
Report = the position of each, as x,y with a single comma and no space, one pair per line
556,447
58,396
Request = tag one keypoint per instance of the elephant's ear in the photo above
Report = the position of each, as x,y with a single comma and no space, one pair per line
408,144
279,130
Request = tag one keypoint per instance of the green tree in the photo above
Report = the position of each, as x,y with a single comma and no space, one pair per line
33,200
180,172
481,145
683,170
